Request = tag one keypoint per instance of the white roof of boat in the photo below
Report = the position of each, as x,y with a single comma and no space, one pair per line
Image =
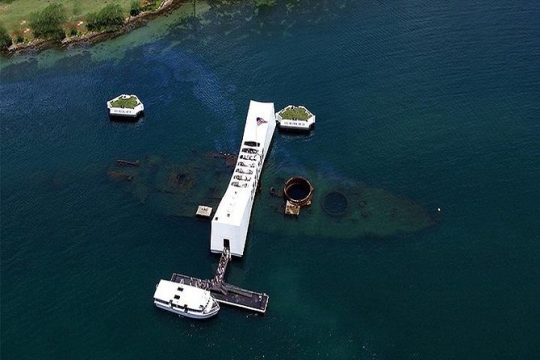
188,295
233,204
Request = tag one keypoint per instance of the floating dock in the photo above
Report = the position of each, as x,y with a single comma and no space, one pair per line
226,293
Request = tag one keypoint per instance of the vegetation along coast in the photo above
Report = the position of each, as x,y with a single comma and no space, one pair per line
34,25
28,26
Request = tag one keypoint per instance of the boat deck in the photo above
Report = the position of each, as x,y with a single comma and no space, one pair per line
226,293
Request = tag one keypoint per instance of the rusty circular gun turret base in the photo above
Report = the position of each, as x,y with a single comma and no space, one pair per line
298,193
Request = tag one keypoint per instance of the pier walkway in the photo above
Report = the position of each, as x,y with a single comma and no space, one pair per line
226,293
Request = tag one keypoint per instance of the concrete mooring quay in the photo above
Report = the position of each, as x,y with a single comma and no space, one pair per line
226,293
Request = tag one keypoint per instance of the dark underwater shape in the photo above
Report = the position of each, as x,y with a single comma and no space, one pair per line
433,100
341,208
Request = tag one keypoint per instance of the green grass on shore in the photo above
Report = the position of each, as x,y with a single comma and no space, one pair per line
15,14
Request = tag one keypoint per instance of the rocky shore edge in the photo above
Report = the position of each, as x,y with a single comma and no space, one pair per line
133,22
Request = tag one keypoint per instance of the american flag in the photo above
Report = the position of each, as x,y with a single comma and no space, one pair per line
260,121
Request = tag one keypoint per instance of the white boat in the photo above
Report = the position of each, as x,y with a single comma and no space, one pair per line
231,220
125,106
185,300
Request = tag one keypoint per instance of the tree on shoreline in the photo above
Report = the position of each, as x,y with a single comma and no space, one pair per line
109,18
47,23
5,39
135,8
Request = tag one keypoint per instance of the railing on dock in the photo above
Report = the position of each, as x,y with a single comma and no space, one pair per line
226,293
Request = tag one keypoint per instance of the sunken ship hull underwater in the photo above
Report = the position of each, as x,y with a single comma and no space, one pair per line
340,207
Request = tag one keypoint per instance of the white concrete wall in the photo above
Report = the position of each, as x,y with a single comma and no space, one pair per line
236,234
235,229
125,111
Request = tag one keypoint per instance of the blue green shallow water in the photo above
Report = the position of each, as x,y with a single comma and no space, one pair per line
433,101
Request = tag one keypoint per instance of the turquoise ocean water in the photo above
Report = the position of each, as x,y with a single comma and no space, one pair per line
433,100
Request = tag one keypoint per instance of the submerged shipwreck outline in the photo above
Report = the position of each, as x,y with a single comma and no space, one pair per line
341,208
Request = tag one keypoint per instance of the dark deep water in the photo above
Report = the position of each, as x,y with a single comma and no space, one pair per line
437,101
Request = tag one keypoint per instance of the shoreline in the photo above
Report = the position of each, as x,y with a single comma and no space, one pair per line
132,23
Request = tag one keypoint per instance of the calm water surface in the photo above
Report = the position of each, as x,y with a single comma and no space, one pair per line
435,101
